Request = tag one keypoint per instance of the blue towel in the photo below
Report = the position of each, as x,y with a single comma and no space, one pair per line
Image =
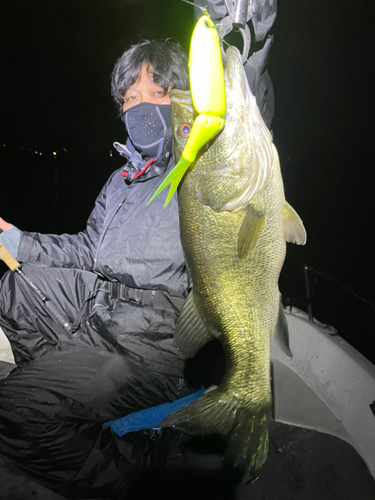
151,417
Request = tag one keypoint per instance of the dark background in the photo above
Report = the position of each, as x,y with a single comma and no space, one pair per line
56,61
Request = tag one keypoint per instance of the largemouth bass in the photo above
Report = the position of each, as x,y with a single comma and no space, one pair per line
234,224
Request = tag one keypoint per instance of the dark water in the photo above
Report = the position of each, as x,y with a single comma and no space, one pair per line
323,77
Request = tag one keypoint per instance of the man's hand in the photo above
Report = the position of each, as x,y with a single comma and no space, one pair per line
4,226
10,236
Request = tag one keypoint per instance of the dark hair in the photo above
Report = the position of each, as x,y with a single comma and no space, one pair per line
167,59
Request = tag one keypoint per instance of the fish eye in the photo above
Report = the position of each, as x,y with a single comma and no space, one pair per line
184,130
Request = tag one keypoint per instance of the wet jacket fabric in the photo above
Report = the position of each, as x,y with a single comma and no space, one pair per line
124,240
122,356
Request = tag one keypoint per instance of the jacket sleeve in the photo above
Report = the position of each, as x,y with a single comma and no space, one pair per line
66,250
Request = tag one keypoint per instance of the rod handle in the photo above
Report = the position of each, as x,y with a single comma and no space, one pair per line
9,260
55,313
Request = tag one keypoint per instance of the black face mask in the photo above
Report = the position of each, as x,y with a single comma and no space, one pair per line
146,125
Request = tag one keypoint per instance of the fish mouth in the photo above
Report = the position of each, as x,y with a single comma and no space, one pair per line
234,71
178,152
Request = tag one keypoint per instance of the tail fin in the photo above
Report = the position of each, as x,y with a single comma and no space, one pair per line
244,428
174,178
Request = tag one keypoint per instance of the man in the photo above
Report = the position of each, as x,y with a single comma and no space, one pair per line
122,282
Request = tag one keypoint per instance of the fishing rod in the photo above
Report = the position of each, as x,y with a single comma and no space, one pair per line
52,309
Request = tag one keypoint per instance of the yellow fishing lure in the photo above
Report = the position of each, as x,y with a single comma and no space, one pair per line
208,94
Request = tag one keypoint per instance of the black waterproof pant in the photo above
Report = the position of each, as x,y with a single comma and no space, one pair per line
54,404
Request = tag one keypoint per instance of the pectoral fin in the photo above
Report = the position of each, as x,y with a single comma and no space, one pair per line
250,232
191,331
281,332
293,226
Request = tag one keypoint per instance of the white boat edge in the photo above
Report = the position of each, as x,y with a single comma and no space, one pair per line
327,386
6,354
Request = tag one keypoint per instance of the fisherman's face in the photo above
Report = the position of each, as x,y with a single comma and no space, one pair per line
145,90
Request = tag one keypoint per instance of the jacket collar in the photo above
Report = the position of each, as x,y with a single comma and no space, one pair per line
132,170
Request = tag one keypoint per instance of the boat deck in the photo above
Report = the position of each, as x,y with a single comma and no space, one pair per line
302,464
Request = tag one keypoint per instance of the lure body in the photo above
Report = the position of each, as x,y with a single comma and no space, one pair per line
206,70
207,87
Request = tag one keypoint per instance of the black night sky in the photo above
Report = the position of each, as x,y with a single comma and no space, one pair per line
56,61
